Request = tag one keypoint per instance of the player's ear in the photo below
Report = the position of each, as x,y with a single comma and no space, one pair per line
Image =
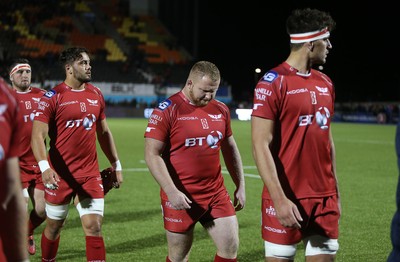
310,45
189,83
67,68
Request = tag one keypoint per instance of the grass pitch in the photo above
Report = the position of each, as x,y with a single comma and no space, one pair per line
133,228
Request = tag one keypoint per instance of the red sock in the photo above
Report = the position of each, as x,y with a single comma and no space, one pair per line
34,221
95,249
49,248
221,259
167,260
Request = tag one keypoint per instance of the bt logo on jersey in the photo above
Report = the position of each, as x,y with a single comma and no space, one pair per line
321,118
87,122
29,117
305,120
193,141
212,140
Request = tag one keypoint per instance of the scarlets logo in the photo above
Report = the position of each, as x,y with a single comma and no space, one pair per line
322,89
215,117
92,102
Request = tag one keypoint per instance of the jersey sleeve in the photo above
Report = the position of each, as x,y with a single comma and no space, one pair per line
102,103
267,95
46,106
158,126
227,114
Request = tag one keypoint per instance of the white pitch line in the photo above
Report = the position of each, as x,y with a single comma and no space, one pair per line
249,167
245,174
224,171
143,169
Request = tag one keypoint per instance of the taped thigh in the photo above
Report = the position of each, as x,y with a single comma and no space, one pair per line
58,212
279,251
318,245
91,206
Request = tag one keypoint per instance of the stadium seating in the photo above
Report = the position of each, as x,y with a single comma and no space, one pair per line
127,48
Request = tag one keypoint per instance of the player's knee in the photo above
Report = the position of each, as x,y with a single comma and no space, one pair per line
59,212
230,246
40,211
228,250
318,245
91,206
279,251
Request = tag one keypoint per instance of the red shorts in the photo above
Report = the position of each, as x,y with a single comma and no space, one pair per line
220,205
31,177
320,217
2,255
84,187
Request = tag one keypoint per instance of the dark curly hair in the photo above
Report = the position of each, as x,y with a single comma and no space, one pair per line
69,55
308,20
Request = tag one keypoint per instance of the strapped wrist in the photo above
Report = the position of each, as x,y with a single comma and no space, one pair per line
43,165
117,166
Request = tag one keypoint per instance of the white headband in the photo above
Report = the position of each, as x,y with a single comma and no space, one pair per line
310,36
19,67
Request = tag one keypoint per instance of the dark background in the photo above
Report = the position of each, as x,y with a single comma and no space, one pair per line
239,36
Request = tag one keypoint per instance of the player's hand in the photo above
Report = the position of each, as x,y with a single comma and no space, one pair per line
120,179
50,179
288,214
179,200
239,200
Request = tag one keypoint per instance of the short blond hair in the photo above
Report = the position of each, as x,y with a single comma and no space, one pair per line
202,68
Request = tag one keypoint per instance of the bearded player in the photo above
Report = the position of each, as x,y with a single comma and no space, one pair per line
73,114
183,141
20,74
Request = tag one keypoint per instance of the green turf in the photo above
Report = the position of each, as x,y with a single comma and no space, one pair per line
133,229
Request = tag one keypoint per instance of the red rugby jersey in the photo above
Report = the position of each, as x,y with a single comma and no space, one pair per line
10,130
193,138
72,116
302,107
28,102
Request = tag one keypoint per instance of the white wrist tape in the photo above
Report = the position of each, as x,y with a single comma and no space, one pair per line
117,166
43,165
